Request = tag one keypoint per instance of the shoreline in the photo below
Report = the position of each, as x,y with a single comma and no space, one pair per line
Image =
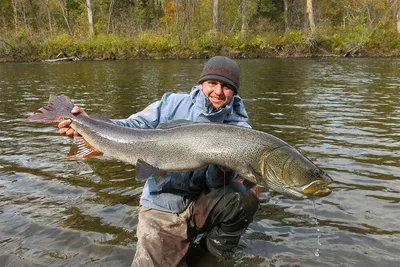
167,56
153,45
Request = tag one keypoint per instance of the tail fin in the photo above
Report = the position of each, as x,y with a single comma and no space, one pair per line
59,108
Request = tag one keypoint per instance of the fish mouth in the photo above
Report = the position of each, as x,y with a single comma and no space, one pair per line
317,189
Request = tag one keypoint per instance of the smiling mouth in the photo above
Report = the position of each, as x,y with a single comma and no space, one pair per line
217,99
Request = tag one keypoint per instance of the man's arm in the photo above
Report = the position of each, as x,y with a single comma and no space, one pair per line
147,118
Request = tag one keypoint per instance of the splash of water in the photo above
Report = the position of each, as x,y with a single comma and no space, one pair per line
224,184
316,253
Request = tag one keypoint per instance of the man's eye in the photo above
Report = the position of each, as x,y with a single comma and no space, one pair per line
227,86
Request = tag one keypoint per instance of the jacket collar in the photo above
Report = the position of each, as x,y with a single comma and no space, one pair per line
233,111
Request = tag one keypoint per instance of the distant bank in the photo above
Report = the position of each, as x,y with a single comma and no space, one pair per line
155,46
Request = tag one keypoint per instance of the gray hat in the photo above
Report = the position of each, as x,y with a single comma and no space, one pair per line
222,69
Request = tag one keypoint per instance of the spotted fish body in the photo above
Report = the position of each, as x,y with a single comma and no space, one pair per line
256,156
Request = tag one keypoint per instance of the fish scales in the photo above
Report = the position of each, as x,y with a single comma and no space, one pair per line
187,145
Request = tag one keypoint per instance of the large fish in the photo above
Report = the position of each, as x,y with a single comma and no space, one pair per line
256,156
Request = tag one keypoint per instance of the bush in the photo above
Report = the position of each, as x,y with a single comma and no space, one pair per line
63,43
153,42
106,47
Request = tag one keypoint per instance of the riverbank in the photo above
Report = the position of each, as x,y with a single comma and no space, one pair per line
150,45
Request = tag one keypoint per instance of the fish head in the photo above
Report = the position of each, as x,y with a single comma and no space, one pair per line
287,171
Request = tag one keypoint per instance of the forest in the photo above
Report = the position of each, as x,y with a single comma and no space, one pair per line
32,30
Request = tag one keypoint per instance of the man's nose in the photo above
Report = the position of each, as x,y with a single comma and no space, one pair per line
218,89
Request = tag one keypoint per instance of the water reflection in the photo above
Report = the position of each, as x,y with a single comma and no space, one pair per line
343,114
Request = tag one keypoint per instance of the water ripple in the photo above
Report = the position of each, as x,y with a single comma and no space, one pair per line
343,114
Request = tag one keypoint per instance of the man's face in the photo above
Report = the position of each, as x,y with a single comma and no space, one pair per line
218,93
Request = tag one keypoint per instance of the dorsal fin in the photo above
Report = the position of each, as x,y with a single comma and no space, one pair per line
174,123
100,117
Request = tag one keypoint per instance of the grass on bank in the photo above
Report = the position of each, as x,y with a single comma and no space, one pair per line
326,42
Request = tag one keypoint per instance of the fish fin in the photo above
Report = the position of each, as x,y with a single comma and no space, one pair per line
174,123
81,149
144,170
100,117
58,108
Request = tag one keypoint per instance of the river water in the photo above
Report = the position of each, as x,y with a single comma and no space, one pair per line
344,114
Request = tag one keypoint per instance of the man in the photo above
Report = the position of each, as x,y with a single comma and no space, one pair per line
208,201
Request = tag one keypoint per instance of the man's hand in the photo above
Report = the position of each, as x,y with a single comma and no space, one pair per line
64,125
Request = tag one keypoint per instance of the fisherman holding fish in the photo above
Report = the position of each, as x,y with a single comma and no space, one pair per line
210,203
191,169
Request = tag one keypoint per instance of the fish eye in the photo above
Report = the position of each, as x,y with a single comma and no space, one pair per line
319,173
315,173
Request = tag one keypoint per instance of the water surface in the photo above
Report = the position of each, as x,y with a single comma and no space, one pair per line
344,114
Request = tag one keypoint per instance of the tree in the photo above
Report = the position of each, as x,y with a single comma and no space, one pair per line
6,13
398,20
215,15
285,14
15,9
47,4
65,14
310,15
90,16
110,10
243,12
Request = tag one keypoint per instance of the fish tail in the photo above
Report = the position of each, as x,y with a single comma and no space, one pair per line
58,108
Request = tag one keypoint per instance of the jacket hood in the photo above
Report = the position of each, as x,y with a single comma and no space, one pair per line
233,111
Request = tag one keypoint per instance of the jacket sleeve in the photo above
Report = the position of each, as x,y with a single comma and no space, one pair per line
215,177
241,123
148,118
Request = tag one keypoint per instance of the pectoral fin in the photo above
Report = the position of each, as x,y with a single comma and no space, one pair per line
81,149
144,170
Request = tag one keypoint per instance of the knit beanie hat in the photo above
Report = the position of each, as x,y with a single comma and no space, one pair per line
222,69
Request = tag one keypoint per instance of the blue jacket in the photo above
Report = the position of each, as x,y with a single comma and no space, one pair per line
179,188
